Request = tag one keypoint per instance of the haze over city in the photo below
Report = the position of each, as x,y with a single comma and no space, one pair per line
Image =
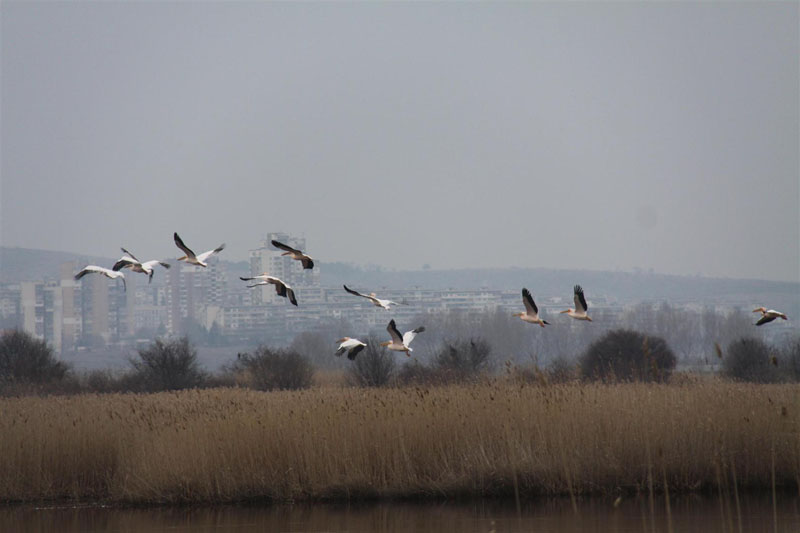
399,266
612,136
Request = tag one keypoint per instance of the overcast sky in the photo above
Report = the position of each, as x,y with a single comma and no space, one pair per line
599,136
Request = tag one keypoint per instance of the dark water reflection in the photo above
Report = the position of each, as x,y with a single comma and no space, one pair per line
702,514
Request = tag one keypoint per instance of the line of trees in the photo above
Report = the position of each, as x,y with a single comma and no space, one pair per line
28,365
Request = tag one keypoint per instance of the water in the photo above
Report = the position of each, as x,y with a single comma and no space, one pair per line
687,514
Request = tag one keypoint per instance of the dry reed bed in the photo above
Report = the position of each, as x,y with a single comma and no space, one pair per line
234,444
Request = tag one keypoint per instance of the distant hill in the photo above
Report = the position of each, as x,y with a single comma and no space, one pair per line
26,264
623,284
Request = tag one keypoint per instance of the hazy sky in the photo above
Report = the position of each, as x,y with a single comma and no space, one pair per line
600,136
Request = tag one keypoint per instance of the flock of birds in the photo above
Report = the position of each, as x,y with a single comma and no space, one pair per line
351,346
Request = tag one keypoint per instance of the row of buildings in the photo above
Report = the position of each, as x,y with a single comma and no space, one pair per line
213,306
95,311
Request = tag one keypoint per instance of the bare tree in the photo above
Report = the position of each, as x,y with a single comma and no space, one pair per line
750,359
168,365
373,367
464,359
269,369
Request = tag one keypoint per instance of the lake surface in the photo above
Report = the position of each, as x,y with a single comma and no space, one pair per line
693,513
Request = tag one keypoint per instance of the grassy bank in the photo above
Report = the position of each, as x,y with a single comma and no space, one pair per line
233,444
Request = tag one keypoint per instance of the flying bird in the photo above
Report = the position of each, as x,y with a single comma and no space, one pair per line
93,269
377,302
399,343
280,287
294,253
768,315
351,346
192,259
128,260
531,313
579,313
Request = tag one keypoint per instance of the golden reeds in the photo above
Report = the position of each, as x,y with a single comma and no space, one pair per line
484,439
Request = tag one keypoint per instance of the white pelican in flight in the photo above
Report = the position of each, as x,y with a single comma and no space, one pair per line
579,313
93,269
768,315
295,254
377,302
192,259
280,287
399,343
351,346
128,260
531,313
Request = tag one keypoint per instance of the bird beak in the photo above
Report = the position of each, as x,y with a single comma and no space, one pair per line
589,318
517,314
565,311
340,341
387,343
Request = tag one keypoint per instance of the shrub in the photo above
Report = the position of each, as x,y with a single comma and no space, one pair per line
27,360
628,355
789,361
749,359
415,373
269,369
373,367
562,370
463,360
455,362
167,365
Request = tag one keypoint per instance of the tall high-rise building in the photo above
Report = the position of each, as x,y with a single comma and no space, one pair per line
70,307
104,308
51,310
190,289
271,260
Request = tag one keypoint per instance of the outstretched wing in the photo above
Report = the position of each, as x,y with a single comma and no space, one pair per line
179,243
123,262
94,269
393,333
280,287
285,247
206,255
580,300
409,335
355,350
126,261
764,319
290,295
351,291
124,251
527,299
307,262
154,262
